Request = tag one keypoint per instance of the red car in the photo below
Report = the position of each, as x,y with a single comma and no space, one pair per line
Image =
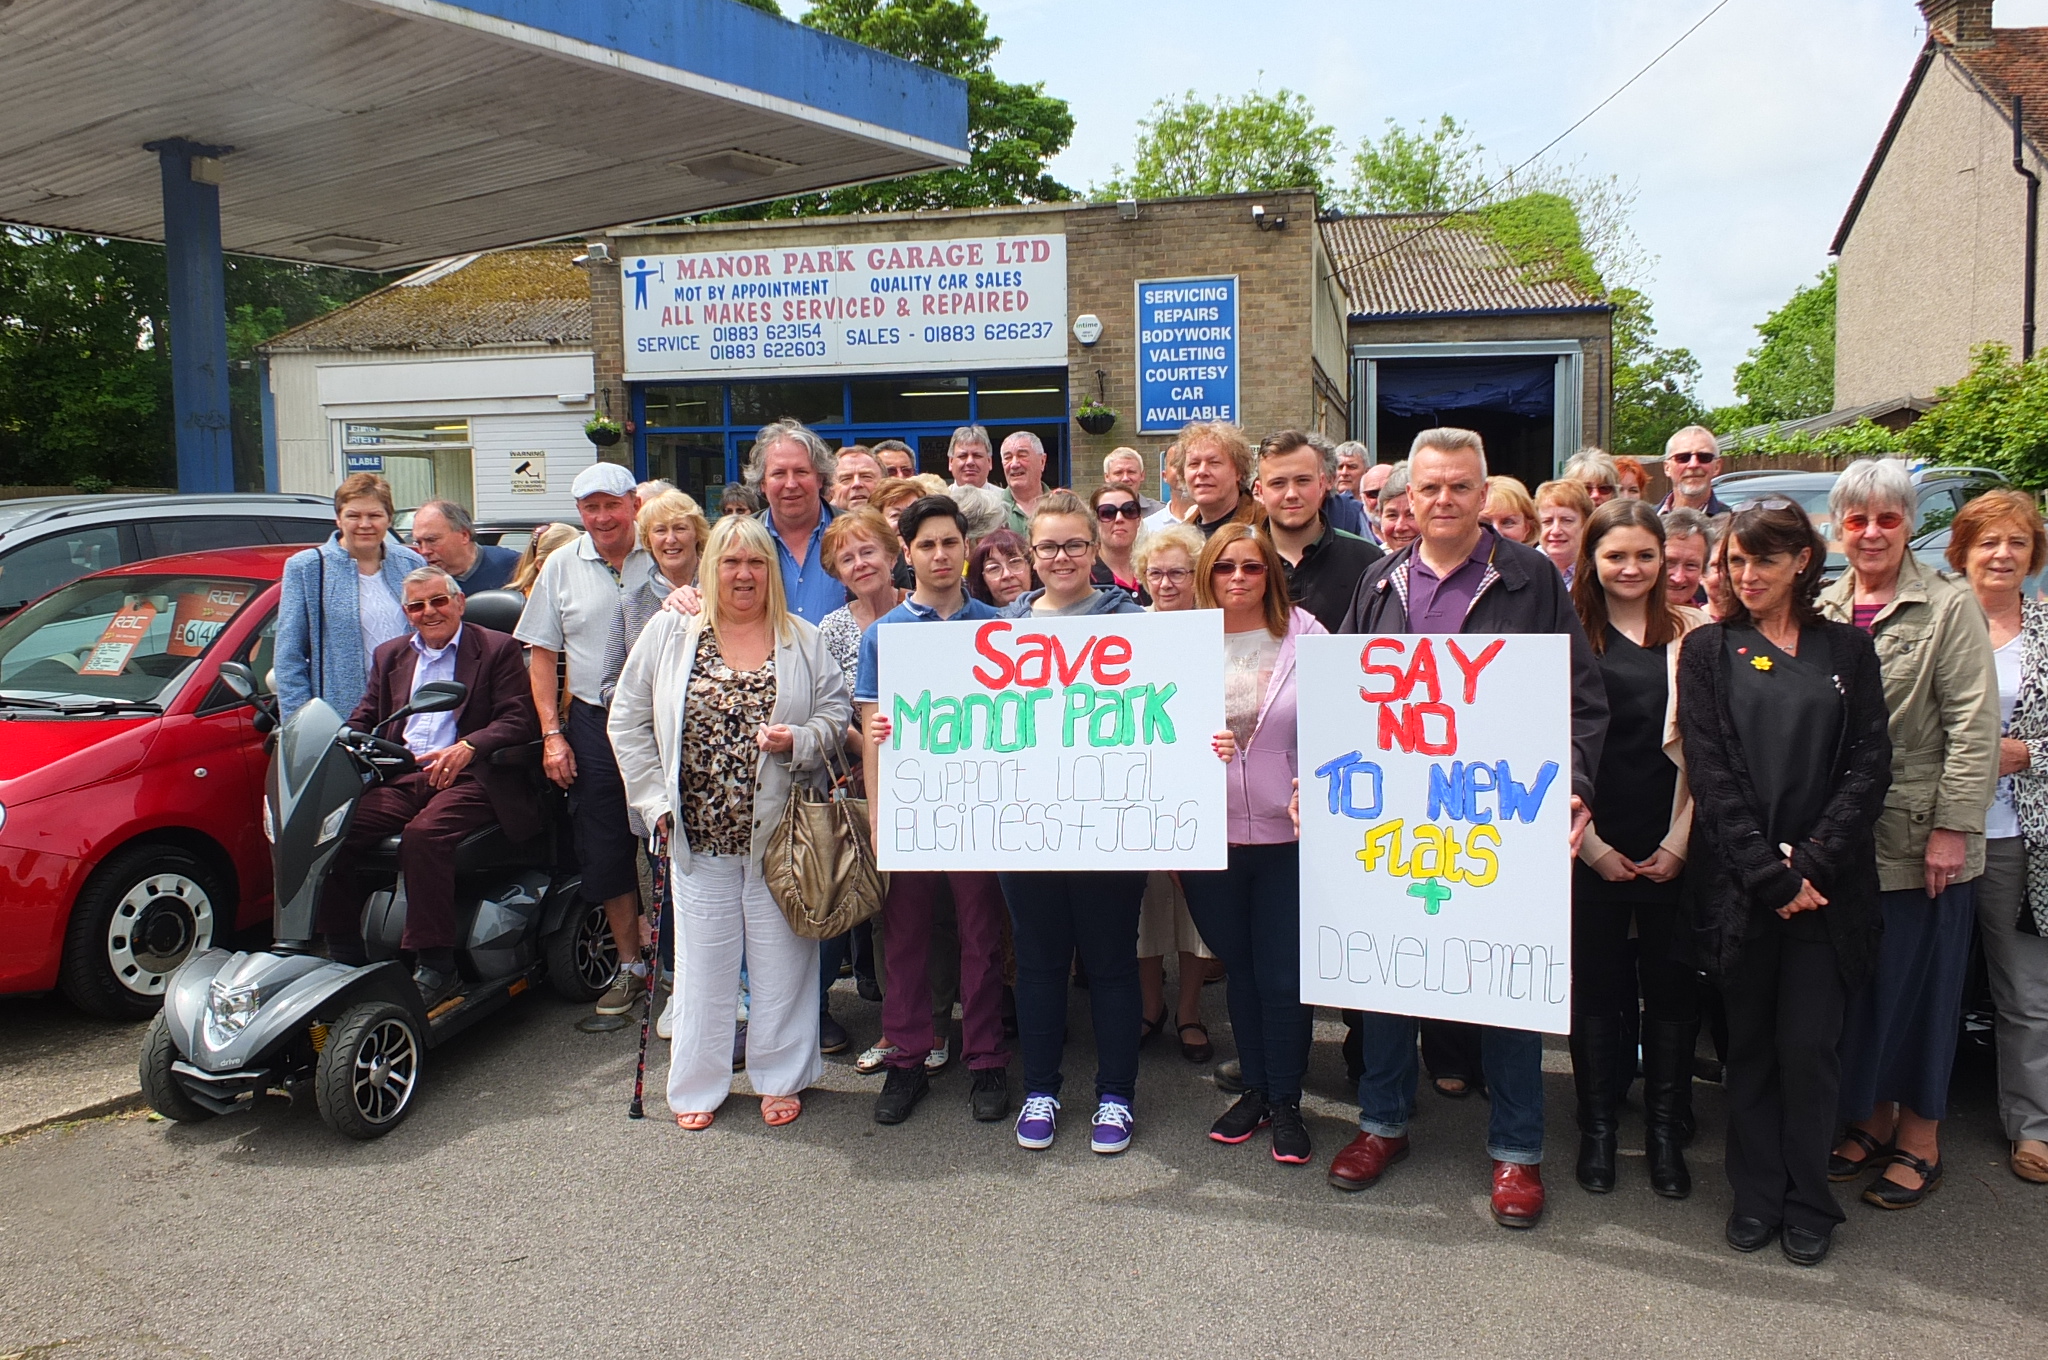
131,779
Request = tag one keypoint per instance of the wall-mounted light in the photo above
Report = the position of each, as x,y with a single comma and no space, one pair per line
594,252
1127,209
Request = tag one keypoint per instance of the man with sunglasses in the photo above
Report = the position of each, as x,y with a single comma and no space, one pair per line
1691,461
455,791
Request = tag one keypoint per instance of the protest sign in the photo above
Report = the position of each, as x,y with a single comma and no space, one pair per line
1435,826
1066,743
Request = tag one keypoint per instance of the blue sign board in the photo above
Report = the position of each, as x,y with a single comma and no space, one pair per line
1187,352
366,462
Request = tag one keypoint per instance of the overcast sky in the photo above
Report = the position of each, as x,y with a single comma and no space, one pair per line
1744,144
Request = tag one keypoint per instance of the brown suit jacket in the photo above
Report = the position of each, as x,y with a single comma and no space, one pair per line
497,714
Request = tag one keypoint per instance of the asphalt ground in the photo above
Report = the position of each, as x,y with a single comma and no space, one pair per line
518,1210
57,1062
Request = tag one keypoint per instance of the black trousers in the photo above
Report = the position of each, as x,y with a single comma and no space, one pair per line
1250,915
1606,962
1785,1002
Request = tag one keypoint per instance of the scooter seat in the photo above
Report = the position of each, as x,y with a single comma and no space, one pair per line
479,851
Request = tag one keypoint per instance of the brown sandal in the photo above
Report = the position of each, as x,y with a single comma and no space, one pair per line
2029,1165
694,1121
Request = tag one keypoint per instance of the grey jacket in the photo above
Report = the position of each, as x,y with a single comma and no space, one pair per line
1941,686
646,722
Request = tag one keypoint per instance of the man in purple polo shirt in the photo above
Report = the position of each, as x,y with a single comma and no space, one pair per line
1461,577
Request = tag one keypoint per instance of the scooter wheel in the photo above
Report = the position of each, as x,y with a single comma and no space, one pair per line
369,1070
159,1087
582,957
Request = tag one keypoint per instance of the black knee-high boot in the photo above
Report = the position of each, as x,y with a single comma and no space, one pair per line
1667,1102
1596,1072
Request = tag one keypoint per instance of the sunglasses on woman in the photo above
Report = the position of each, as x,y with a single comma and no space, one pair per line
1128,509
1855,522
1238,569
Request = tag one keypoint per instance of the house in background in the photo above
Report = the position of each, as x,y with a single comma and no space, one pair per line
469,380
1932,251
1447,328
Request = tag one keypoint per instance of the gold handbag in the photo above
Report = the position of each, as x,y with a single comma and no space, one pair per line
820,860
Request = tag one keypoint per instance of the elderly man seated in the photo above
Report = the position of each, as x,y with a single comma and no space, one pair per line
456,790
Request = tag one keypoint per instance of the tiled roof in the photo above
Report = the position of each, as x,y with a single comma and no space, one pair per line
505,297
1408,264
2016,63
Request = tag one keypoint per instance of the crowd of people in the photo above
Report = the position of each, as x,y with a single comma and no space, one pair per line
1796,801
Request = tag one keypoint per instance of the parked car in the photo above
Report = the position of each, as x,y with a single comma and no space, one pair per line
1943,491
131,778
47,541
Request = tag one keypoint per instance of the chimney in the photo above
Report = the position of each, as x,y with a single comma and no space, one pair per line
1958,23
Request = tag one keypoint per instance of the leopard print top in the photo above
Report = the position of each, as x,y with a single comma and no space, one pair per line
719,757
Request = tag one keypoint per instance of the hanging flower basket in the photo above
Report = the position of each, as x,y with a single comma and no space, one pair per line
602,432
1094,417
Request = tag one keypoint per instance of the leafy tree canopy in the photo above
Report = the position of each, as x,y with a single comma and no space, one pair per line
1012,129
85,371
1256,143
1432,169
1791,375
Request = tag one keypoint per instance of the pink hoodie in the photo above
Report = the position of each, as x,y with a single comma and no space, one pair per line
1261,779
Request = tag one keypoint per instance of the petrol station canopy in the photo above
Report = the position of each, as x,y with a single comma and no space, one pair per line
382,133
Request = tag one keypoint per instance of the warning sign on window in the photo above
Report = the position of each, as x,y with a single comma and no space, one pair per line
200,617
530,472
124,633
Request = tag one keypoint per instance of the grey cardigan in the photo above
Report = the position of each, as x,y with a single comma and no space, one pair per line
647,719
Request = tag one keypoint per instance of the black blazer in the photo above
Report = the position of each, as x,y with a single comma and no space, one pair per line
498,713
1734,870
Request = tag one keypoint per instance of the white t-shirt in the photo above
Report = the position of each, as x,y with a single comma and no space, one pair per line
2003,820
1248,661
379,614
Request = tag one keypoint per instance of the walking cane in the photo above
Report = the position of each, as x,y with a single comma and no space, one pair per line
658,849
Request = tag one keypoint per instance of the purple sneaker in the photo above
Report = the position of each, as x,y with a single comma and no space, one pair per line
1038,1122
1112,1132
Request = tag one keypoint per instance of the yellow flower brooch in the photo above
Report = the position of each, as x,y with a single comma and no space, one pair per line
1762,663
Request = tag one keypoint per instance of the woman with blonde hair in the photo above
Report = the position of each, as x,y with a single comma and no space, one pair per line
545,540
716,715
1509,510
1165,562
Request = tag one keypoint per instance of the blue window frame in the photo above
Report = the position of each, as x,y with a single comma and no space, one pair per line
697,435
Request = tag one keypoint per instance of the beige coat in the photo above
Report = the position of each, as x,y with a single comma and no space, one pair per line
1679,837
1941,686
646,722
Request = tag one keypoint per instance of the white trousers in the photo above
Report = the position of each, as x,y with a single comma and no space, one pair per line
723,913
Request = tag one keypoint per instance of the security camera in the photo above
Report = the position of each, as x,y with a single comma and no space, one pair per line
1265,223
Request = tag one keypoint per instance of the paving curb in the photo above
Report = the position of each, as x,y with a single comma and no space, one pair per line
121,1104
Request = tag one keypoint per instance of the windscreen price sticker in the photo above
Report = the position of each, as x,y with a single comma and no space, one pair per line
200,617
124,633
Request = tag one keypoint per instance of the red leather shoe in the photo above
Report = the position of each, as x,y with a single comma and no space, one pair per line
1517,1194
1365,1159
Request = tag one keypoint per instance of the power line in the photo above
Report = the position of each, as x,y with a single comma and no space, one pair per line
1488,192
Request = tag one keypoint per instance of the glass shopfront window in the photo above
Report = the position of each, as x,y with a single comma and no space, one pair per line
423,460
698,435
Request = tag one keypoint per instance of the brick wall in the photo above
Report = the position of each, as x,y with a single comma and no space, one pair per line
608,351
1179,238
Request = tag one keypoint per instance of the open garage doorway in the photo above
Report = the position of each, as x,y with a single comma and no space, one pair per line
1525,405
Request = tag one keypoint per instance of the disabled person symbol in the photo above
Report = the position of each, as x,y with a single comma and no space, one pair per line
1433,894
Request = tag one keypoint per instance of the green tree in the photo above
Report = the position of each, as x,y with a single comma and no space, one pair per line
1256,143
85,373
1995,417
1792,373
1428,170
1654,387
1012,129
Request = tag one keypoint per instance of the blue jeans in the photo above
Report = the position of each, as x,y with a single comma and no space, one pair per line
1250,915
1513,1063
